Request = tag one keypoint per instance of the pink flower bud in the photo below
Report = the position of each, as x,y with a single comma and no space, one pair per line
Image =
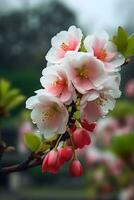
88,126
73,127
52,158
50,162
81,138
66,153
44,164
75,168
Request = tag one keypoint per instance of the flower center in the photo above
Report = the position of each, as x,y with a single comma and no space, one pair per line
101,100
101,54
65,46
51,111
59,81
82,73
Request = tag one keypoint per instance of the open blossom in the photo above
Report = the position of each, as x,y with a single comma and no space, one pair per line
97,103
95,155
85,71
103,49
57,83
106,127
63,42
48,113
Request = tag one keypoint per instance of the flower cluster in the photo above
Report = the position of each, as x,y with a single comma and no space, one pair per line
80,85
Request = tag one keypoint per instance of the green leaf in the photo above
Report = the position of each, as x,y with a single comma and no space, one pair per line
12,94
130,47
9,98
76,115
122,109
121,40
4,88
51,139
123,145
43,147
124,43
18,100
32,141
82,46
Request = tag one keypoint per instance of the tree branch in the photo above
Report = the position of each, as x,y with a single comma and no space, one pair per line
27,164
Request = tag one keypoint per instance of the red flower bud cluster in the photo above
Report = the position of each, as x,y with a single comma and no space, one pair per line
55,159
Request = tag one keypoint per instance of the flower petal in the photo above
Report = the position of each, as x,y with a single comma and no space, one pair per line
32,102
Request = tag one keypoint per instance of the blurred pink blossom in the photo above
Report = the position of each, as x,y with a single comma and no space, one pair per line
94,155
127,194
24,127
129,89
130,121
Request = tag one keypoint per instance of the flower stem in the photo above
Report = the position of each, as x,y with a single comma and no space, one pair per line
73,147
57,143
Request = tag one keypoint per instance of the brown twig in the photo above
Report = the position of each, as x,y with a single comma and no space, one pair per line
27,164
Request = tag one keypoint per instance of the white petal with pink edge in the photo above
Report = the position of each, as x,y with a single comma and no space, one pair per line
56,82
85,71
104,50
49,114
64,42
97,103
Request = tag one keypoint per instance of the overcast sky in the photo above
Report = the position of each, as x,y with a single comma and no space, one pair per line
92,14
97,13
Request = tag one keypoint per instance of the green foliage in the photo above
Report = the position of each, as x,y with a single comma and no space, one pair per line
123,145
25,115
9,98
36,143
76,115
124,43
121,40
32,141
122,109
43,147
53,138
130,47
82,47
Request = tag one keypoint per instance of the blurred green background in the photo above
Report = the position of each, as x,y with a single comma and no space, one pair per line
26,29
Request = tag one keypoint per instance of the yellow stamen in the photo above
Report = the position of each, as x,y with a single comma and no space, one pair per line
102,54
49,113
82,73
55,82
101,100
59,81
64,46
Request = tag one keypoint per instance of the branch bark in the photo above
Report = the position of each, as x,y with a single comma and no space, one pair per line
27,164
